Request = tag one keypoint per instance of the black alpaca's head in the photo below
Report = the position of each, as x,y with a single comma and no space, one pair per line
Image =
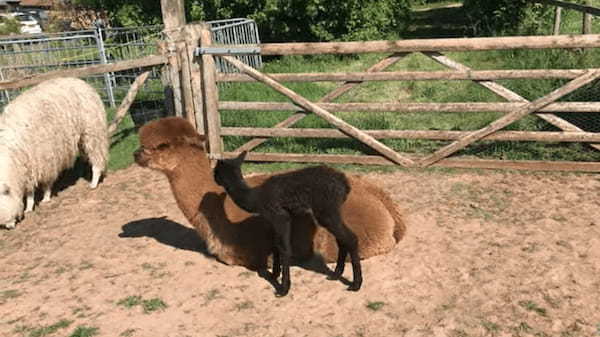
229,171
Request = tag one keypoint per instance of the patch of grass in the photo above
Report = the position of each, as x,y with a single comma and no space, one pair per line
244,305
130,301
490,327
127,333
532,306
5,295
84,331
49,329
375,306
151,305
154,304
211,295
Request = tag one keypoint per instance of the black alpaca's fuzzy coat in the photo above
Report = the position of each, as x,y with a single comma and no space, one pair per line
319,191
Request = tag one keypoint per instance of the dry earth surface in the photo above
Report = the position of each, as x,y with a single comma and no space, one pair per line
487,254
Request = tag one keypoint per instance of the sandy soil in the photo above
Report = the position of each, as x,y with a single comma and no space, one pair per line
487,254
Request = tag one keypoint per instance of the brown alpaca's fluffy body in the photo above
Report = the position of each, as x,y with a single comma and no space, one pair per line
234,236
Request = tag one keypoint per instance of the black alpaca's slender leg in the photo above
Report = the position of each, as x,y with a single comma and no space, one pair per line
276,264
341,262
347,242
283,229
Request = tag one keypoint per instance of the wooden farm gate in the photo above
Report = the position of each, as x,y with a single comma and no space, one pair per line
516,108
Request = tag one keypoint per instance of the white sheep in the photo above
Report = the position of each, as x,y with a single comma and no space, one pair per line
41,133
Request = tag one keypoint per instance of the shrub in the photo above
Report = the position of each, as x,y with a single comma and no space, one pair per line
9,26
511,17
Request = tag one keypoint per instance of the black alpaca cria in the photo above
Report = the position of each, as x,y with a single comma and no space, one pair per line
319,191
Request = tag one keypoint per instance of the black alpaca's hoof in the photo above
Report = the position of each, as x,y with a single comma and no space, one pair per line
281,292
354,287
333,277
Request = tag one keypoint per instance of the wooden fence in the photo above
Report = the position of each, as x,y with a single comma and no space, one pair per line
193,82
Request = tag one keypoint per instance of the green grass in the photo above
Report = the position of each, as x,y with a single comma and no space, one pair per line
375,306
43,331
84,331
149,306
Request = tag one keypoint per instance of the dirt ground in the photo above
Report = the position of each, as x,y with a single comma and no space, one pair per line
487,254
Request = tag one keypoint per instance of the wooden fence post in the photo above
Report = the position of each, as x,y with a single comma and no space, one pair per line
210,97
587,20
174,20
557,19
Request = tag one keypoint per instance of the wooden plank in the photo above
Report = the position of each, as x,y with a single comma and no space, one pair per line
127,101
540,136
192,38
299,115
571,5
337,122
29,80
189,111
510,118
585,107
528,165
421,45
412,75
211,96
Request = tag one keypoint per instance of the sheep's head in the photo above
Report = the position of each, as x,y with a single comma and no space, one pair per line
161,142
11,205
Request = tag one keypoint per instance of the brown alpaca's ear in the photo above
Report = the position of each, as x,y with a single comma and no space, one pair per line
194,139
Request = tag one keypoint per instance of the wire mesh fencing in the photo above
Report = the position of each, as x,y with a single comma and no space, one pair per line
40,53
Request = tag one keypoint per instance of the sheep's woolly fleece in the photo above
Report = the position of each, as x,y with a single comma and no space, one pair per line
43,129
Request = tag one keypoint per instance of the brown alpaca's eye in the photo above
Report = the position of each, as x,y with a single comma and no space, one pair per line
162,146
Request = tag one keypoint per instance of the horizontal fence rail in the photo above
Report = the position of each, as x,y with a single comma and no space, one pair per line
413,107
423,45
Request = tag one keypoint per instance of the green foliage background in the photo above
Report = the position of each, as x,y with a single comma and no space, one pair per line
506,17
278,20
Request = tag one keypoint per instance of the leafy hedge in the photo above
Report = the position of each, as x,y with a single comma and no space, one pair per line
512,17
278,20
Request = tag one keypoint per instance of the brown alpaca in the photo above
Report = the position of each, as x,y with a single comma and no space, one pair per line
236,237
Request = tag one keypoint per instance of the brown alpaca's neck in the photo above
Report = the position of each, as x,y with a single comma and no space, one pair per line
190,181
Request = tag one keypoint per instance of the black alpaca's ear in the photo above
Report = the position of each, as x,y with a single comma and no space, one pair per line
240,159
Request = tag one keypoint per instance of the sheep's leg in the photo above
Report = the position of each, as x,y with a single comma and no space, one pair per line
96,174
30,201
47,193
283,228
347,242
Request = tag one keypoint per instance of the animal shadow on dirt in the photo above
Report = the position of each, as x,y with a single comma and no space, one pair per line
166,232
178,236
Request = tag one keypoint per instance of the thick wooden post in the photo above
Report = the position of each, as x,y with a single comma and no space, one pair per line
174,20
210,96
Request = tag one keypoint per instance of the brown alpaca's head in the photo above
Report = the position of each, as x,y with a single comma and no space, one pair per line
162,140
